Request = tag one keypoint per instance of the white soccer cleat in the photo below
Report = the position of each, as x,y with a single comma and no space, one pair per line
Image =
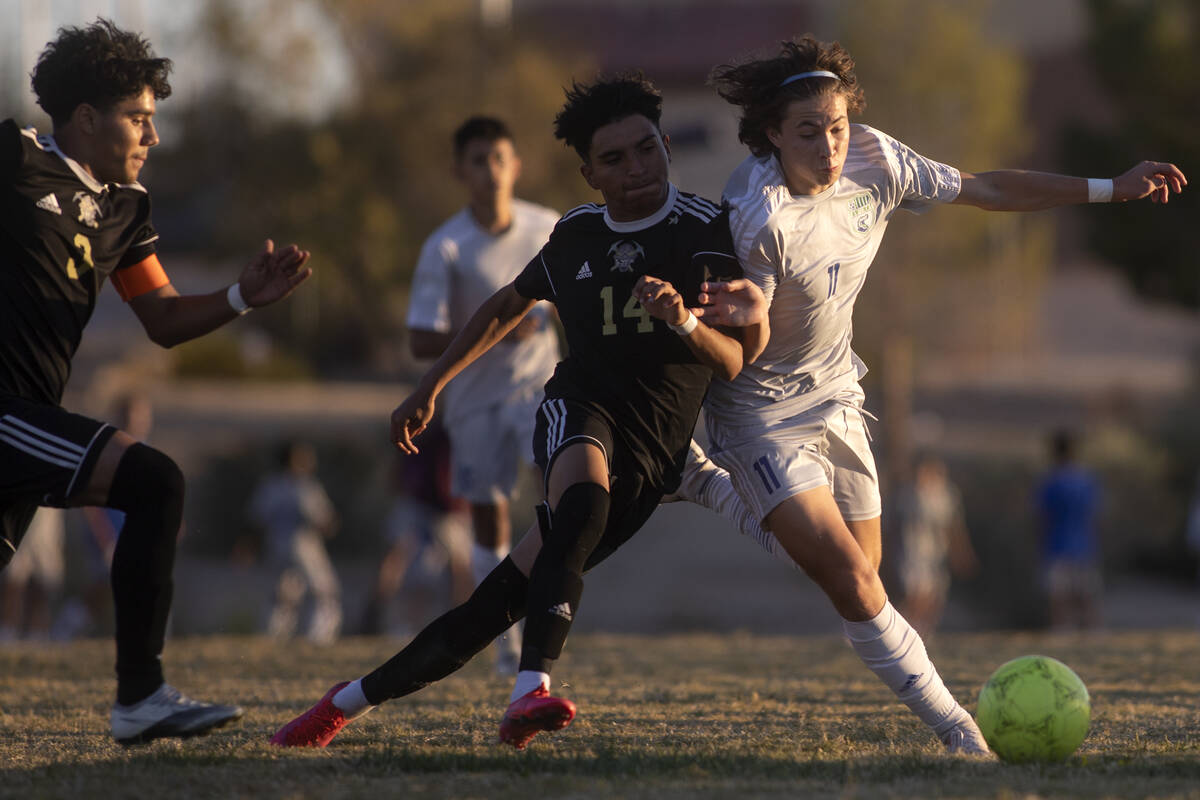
697,472
168,712
965,739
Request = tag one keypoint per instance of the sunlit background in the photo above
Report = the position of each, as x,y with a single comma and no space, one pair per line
328,124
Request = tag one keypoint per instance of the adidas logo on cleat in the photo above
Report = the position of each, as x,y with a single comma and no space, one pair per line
584,272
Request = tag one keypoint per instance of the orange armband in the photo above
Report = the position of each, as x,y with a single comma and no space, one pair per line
140,278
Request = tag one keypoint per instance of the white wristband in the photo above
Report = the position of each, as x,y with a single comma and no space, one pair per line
236,301
688,325
1100,190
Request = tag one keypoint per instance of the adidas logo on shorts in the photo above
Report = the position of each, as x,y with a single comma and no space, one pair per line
562,610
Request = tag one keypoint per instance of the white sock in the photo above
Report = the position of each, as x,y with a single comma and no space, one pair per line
719,495
527,681
351,700
484,560
890,647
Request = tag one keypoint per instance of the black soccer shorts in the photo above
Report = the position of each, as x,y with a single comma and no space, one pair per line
561,423
46,455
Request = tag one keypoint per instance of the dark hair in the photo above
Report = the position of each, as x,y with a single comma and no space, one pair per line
1062,445
99,65
758,86
591,107
487,128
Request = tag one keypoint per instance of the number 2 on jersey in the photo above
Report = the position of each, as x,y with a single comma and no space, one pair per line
632,310
85,252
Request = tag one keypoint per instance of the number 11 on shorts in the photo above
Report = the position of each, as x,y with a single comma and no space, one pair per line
766,474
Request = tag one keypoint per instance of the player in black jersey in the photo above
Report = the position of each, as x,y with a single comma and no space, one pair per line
71,215
613,431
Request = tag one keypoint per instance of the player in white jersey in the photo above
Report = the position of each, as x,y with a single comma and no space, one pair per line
807,212
490,407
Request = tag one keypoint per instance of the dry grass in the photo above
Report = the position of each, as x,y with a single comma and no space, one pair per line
696,716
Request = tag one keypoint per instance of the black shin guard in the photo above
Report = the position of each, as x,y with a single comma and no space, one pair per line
148,486
556,580
454,638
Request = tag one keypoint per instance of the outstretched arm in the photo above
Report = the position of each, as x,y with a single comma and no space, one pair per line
170,318
1020,190
488,325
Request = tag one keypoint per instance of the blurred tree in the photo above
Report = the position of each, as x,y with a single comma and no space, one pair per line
363,187
962,283
1147,56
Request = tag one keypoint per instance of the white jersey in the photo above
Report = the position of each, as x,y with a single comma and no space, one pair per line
461,266
810,256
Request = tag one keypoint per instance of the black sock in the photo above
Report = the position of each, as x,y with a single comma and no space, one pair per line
148,487
454,638
556,580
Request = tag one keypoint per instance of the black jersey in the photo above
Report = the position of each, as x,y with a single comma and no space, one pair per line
619,357
61,234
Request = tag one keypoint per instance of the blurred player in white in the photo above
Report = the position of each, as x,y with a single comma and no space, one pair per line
808,209
490,407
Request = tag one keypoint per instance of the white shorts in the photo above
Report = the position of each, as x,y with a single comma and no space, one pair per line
488,450
40,554
825,446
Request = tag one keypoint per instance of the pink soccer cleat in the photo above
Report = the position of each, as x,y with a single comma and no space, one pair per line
315,727
536,711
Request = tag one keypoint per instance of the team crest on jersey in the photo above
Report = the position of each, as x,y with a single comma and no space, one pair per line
624,255
89,209
862,212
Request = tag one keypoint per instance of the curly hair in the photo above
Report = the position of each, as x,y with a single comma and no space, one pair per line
758,86
612,99
99,65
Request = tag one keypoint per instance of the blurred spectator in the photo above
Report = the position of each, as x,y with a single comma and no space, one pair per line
1067,501
296,515
32,580
933,543
428,533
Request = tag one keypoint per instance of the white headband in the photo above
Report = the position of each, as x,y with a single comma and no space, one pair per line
816,73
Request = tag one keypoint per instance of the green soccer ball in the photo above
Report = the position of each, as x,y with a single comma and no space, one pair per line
1034,708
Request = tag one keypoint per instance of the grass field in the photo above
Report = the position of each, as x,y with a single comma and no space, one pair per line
688,716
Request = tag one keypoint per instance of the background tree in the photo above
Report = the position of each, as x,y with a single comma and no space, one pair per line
1145,54
364,186
958,283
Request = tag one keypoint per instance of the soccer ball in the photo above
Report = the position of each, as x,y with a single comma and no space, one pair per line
1034,708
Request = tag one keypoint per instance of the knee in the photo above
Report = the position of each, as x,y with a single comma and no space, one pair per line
146,478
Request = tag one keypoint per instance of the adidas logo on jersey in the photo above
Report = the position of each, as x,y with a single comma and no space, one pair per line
50,203
562,610
584,272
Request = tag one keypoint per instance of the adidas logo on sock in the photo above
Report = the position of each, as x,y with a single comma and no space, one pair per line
50,203
584,272
562,610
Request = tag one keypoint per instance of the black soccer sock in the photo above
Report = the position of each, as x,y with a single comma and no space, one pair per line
148,486
454,638
556,580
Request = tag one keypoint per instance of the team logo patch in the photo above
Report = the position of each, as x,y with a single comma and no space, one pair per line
624,255
50,203
89,209
862,212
